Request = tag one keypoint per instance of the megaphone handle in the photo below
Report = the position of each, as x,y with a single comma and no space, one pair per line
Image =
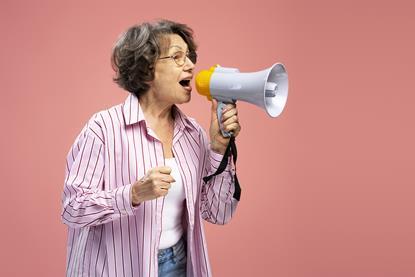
221,106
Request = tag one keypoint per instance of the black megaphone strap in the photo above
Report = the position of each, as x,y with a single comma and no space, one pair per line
231,148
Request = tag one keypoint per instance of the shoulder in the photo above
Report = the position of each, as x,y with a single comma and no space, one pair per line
194,124
102,121
114,113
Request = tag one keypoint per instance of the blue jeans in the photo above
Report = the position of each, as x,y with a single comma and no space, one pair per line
172,260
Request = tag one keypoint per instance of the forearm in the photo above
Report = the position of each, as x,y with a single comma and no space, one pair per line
83,207
217,202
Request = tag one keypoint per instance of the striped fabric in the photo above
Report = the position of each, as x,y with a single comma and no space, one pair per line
107,236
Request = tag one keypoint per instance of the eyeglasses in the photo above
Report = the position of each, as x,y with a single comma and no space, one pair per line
180,57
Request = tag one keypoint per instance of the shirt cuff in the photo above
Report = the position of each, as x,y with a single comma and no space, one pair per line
122,201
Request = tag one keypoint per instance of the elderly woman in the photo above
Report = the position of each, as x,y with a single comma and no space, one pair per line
134,197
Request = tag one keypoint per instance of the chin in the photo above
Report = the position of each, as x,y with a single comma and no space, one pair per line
185,100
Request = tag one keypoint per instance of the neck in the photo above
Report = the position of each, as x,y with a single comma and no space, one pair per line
156,112
154,109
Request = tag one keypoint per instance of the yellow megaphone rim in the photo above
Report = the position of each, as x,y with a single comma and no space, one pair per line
203,82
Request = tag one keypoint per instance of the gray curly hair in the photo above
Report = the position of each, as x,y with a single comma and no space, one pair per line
137,49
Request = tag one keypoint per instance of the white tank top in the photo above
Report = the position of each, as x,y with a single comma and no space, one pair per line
174,203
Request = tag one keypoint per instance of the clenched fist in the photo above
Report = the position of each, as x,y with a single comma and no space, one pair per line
154,184
230,123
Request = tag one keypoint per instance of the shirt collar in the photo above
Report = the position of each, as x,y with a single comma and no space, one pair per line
134,114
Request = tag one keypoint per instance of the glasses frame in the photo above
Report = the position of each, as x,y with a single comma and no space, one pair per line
192,56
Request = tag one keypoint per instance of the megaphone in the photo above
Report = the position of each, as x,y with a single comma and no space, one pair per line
267,89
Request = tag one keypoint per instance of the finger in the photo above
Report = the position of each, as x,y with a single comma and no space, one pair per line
229,107
165,186
162,192
167,179
163,177
230,120
229,114
160,185
232,127
237,131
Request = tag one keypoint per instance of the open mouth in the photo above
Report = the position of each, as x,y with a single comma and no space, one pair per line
185,83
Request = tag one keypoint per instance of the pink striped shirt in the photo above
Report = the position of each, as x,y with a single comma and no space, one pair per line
107,236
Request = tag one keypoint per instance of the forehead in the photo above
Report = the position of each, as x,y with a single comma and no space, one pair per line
173,42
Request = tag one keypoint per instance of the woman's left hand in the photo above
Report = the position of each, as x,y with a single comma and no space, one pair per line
230,123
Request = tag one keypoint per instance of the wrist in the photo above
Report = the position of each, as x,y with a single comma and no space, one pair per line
135,201
220,149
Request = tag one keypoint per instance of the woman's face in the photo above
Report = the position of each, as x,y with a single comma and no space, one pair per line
168,85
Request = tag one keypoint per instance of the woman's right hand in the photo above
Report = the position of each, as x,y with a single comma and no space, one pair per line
154,184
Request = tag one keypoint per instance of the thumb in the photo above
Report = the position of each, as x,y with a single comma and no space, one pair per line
214,108
164,169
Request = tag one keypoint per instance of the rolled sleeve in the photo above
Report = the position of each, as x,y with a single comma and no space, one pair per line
122,201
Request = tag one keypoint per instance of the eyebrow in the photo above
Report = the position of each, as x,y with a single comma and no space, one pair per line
171,46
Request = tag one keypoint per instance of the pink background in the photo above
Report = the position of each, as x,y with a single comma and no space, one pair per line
327,188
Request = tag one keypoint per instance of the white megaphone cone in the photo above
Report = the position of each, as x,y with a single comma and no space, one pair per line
267,89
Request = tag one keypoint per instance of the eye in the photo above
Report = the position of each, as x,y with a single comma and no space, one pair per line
178,56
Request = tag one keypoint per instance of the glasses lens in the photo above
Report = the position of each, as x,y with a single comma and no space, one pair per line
179,58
